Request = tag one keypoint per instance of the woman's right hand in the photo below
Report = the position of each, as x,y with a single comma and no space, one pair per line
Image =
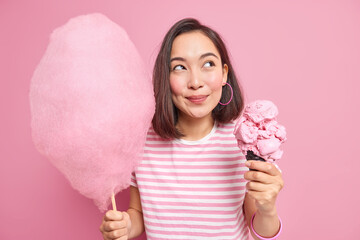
115,225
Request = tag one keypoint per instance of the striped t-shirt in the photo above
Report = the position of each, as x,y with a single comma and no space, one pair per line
193,189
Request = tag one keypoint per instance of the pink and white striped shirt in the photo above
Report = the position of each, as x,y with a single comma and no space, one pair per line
193,189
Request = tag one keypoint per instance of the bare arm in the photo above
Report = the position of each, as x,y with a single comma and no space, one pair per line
124,225
263,188
264,225
135,213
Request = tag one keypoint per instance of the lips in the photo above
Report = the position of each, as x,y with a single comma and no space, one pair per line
197,99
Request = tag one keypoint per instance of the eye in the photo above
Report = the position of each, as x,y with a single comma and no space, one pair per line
179,67
209,64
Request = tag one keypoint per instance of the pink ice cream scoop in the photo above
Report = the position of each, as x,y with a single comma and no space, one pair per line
258,133
92,102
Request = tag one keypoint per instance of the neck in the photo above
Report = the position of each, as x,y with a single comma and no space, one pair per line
195,128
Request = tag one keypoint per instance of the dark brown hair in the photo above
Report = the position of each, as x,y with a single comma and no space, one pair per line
166,114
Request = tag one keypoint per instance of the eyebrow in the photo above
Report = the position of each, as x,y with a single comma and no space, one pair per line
208,54
201,57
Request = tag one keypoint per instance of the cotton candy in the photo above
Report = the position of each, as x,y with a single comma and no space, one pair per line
91,103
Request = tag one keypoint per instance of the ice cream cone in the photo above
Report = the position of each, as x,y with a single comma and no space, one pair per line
258,133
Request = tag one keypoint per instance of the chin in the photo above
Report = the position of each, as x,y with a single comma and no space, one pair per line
200,115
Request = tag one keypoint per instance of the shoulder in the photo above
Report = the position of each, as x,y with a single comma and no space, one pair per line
226,128
227,125
152,137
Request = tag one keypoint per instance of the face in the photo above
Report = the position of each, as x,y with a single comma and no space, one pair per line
196,75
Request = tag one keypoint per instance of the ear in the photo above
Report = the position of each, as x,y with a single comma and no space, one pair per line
225,74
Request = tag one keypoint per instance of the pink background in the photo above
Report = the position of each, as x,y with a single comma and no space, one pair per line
303,55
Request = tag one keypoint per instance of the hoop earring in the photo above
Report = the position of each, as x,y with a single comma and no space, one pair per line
232,93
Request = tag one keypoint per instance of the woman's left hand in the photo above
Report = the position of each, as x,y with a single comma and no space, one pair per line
264,185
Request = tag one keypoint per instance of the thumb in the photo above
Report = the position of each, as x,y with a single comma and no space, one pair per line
113,215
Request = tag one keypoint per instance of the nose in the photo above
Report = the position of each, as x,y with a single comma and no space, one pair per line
195,80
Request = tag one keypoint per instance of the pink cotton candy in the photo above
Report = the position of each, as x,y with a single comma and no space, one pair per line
91,106
258,131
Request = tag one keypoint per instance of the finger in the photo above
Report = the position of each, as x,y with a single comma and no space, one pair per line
258,177
116,234
257,186
113,225
122,238
265,167
112,215
102,226
255,195
104,236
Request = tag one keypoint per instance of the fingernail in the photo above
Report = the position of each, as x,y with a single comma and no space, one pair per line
247,164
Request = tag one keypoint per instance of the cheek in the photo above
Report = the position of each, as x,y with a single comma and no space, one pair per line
214,81
176,85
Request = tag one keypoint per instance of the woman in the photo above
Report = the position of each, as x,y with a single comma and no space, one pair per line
191,182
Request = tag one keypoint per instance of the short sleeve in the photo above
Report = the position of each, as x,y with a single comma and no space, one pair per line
133,181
